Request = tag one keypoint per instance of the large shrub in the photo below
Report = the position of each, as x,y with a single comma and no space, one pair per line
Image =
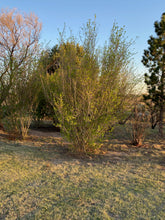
89,91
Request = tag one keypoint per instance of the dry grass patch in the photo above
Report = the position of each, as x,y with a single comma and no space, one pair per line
42,180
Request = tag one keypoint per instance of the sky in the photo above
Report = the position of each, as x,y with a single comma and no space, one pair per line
138,17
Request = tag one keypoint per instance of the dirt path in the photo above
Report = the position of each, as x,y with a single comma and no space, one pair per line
44,133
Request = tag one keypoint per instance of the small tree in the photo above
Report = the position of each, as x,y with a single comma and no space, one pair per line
153,109
19,35
139,120
154,60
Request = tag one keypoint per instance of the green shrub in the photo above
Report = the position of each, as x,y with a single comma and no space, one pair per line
17,125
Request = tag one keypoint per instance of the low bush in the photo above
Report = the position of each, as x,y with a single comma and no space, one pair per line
140,121
17,124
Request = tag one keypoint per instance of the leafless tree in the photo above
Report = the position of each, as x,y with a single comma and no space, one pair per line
19,36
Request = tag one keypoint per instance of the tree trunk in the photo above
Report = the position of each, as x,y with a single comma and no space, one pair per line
161,120
162,102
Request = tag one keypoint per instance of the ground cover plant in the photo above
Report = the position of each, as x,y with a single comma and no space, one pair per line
41,179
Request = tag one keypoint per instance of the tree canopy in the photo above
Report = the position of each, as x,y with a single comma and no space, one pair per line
19,36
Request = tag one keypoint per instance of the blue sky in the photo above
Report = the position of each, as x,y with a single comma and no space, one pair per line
138,17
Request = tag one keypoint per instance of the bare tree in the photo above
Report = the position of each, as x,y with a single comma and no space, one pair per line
19,35
140,122
19,44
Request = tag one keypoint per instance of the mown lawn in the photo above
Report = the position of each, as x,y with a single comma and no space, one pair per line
41,180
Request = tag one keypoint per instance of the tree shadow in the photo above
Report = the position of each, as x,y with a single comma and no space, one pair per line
116,148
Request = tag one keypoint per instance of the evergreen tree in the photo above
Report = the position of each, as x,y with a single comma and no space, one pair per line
154,60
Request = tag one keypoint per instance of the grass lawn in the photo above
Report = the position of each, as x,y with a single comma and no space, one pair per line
40,179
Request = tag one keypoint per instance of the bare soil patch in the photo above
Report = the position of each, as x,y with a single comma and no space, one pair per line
116,146
44,132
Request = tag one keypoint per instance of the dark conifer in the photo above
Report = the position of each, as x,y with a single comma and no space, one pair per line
154,60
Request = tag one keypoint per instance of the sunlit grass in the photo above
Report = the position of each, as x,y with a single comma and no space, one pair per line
41,183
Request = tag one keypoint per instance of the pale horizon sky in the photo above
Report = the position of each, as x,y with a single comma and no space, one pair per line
138,17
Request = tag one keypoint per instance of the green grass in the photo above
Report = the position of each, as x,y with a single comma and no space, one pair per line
45,182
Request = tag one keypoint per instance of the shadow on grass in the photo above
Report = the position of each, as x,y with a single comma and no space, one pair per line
116,148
